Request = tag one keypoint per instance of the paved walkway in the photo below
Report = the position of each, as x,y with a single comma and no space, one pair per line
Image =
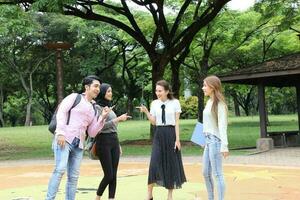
273,175
289,157
278,157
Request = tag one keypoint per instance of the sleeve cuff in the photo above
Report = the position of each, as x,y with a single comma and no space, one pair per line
59,133
224,148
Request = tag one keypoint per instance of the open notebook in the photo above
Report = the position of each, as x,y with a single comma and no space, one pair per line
198,136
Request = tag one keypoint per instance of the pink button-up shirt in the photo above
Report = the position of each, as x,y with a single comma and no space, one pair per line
82,119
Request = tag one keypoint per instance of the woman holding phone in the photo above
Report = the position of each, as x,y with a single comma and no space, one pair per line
166,168
108,148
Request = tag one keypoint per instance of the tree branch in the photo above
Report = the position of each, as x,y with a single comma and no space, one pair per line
187,36
190,66
163,25
143,3
178,18
41,61
197,9
154,39
131,18
93,16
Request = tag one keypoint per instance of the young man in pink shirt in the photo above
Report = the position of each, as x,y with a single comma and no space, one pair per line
69,137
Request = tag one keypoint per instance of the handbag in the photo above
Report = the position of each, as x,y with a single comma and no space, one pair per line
93,152
91,148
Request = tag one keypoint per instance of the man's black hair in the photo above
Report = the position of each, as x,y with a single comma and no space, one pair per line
88,80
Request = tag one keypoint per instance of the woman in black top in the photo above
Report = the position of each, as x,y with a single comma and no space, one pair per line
107,144
166,168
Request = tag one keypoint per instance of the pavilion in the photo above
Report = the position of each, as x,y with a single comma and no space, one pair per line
278,72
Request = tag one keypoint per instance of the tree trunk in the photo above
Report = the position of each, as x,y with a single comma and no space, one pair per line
29,103
29,92
236,107
28,111
246,109
130,105
175,78
13,121
200,96
175,66
202,74
157,75
1,106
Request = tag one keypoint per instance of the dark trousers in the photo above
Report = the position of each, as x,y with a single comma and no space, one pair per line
108,151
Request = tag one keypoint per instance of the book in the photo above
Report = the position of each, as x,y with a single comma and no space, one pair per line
198,137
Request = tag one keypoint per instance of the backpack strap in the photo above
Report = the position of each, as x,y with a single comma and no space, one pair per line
76,102
95,109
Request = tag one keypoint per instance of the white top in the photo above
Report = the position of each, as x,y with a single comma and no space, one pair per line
172,107
210,124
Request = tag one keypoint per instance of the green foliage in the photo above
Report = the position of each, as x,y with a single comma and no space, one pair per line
51,5
281,100
242,132
189,107
14,109
283,12
96,45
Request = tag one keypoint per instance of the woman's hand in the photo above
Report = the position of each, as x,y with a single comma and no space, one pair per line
143,109
105,112
121,151
124,117
177,145
225,154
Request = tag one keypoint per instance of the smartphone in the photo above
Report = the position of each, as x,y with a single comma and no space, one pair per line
112,107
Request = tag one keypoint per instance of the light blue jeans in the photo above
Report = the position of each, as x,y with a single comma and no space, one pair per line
67,158
212,166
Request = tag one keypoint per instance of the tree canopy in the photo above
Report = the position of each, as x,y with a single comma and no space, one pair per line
132,44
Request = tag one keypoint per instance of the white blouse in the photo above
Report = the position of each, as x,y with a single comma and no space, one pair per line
172,106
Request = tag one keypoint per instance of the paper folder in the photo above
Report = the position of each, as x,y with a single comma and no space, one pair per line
198,136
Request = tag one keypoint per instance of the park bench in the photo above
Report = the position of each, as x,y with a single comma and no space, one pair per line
285,138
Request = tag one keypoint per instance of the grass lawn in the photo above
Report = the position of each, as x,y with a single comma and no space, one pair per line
35,142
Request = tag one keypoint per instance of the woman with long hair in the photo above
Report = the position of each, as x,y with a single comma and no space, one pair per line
215,129
166,168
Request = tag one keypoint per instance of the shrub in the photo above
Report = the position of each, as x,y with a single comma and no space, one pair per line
189,107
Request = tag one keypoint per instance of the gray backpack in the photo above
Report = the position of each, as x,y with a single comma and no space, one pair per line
53,122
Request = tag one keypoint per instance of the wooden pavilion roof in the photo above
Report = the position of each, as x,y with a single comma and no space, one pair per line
279,72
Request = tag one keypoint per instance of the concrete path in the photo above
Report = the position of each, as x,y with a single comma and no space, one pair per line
289,157
273,175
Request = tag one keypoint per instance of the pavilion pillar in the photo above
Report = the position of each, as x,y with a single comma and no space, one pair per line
262,111
264,143
298,103
59,46
59,76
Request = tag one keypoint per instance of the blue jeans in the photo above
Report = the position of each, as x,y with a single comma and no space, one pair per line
212,165
67,158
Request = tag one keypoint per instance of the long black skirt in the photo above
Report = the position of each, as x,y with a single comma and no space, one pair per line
166,168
